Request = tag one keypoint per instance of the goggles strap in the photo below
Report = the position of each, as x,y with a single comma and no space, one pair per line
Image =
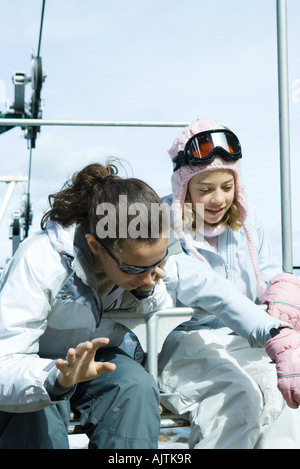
179,161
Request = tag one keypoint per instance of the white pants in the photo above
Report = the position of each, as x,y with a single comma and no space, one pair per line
228,391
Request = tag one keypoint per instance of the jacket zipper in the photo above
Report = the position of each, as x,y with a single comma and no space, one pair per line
95,293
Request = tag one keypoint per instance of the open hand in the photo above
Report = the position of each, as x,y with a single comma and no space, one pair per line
80,363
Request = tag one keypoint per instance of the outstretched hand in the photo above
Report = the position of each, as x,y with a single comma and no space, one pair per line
80,364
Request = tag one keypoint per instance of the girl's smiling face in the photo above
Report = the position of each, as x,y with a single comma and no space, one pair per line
214,189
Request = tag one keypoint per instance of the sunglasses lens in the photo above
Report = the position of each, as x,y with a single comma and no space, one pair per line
134,270
131,270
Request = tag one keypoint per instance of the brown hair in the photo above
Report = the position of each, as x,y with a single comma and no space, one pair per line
79,198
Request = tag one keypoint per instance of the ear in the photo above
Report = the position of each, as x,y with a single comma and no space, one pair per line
93,244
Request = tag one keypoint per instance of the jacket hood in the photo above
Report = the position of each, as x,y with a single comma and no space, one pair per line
62,239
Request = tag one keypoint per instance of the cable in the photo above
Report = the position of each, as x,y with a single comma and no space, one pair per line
41,28
27,209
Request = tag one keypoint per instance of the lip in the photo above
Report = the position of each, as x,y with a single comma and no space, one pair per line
215,212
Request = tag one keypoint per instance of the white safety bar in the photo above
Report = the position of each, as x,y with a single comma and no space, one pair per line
11,181
87,123
152,329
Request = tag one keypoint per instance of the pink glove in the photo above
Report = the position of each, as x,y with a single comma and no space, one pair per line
284,349
283,299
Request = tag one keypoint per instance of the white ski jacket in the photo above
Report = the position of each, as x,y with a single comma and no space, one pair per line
49,302
227,290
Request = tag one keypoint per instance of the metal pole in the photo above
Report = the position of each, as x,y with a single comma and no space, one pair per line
152,345
7,197
285,176
84,123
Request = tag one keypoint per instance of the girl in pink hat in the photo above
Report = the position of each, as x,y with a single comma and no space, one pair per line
214,365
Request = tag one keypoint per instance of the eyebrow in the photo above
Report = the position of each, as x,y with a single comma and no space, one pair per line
212,184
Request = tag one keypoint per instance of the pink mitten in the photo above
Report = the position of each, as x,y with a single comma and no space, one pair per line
284,349
283,299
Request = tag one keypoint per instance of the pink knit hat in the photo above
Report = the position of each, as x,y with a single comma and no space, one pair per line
180,180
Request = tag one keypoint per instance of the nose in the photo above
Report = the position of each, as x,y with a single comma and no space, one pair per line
146,277
217,197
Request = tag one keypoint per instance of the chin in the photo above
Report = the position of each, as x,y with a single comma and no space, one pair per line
213,222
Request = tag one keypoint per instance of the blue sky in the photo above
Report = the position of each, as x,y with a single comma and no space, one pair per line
150,60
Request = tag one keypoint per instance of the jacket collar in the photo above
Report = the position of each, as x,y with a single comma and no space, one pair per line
71,242
62,239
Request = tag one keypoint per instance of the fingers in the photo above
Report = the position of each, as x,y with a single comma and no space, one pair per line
61,365
80,364
288,388
291,402
90,346
295,399
71,356
100,341
159,272
74,354
105,367
161,266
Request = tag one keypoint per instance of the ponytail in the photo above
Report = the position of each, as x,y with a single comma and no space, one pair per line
95,186
71,204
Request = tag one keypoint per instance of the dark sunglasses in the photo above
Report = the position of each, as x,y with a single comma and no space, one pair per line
132,269
203,147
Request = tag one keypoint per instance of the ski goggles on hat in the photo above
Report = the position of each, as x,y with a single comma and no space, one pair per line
203,147
133,269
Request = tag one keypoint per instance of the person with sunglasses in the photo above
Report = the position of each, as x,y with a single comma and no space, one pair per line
56,350
214,367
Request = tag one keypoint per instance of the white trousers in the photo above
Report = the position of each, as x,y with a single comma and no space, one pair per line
228,391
